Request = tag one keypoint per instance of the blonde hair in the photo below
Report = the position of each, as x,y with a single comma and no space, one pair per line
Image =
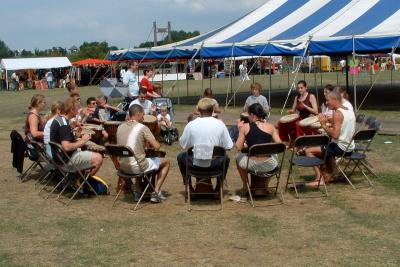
56,106
69,104
36,100
164,108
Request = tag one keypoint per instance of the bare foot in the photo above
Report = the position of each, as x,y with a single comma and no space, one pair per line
315,183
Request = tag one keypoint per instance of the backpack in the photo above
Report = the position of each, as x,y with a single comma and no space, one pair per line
99,185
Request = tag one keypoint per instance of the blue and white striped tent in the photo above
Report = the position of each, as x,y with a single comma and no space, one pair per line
293,27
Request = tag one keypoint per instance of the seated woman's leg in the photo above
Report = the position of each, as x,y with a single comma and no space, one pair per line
241,161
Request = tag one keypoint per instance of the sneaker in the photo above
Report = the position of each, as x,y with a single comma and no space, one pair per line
136,196
155,198
162,196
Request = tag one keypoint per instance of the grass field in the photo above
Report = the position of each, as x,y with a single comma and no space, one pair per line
348,228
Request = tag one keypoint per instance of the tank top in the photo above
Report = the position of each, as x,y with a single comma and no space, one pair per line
28,129
303,112
257,136
346,131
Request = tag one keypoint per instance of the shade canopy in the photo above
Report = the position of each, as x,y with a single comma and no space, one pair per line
92,61
35,63
289,27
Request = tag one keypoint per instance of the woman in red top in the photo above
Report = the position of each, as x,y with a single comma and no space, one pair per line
34,126
145,83
305,103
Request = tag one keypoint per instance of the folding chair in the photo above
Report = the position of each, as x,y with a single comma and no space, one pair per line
123,152
48,169
360,118
70,172
304,161
370,120
266,150
34,156
358,157
202,175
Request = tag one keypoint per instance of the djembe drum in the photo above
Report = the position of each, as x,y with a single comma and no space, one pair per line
287,127
310,125
95,131
91,146
151,122
244,117
111,128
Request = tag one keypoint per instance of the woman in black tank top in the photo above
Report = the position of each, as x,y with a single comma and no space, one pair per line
258,131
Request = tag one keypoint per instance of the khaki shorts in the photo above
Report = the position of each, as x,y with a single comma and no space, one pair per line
269,164
81,159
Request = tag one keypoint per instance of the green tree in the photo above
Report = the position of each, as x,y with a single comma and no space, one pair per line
92,50
5,51
176,36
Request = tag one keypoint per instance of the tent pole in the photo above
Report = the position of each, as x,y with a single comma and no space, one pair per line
347,74
7,79
270,82
234,69
177,79
202,76
354,79
162,78
187,80
252,59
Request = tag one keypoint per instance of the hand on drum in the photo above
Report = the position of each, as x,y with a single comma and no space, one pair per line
85,138
323,119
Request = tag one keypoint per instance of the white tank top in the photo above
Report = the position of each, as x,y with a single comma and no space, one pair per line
347,130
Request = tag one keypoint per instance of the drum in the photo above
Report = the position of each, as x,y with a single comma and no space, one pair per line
287,127
91,146
310,125
151,122
111,128
96,132
244,117
259,185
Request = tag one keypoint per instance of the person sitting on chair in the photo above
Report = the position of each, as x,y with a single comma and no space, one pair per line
341,132
61,133
148,107
136,135
103,111
206,132
256,97
258,131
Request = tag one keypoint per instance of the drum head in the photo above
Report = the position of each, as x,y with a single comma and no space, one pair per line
289,118
112,122
87,131
308,122
149,119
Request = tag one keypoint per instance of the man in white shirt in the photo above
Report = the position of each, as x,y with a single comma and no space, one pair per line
203,134
148,107
49,79
341,133
131,80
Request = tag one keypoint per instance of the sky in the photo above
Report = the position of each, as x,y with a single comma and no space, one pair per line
42,24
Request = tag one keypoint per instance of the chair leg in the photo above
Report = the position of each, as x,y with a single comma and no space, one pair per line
221,192
42,178
116,197
365,175
324,184
249,191
48,181
141,197
345,176
188,195
79,188
26,174
57,185
369,169
288,177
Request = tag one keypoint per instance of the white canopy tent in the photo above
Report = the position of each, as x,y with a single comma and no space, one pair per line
12,64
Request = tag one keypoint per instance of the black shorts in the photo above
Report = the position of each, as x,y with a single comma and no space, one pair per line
333,150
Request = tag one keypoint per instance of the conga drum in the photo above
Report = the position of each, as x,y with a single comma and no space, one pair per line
310,125
111,128
91,146
151,122
287,127
244,117
96,131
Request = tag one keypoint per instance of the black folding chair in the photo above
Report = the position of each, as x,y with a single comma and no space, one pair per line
37,161
70,172
264,151
124,152
358,157
308,162
49,168
203,175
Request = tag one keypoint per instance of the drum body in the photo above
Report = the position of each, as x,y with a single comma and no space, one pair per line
310,126
287,127
97,137
244,117
258,185
111,128
151,122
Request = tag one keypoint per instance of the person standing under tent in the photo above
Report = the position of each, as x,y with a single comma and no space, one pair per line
131,80
145,83
15,80
243,71
50,79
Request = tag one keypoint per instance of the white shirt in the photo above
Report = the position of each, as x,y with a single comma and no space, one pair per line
146,105
131,80
206,131
347,130
166,117
347,105
49,76
122,74
46,131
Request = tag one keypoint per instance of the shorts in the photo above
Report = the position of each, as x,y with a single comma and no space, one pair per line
154,164
268,165
81,159
333,150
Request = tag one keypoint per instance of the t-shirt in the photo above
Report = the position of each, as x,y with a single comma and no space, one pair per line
134,135
60,130
146,105
347,105
130,79
148,85
46,132
259,99
167,117
102,114
206,131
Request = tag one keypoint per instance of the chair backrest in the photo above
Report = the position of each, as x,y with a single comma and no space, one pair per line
360,118
311,140
266,149
120,151
364,135
59,155
218,151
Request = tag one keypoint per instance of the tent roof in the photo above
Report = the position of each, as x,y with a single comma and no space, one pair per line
92,61
34,63
287,26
